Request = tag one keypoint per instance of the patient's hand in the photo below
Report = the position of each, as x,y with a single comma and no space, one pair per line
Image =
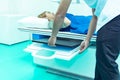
52,41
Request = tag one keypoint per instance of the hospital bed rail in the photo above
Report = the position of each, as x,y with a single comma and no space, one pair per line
63,34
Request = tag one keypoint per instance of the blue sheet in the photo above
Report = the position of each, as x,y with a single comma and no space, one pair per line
79,24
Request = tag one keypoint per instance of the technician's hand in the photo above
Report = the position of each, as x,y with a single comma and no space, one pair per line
52,41
84,44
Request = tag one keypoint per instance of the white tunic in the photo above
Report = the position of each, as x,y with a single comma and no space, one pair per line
110,11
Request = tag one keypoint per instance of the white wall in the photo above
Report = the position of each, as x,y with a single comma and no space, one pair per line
26,7
4,6
34,7
78,7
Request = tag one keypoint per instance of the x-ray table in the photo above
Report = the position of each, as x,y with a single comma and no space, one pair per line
72,65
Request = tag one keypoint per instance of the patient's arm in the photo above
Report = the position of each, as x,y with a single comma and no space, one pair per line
67,22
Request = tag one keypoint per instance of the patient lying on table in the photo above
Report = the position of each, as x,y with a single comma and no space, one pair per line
77,23
50,16
72,23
